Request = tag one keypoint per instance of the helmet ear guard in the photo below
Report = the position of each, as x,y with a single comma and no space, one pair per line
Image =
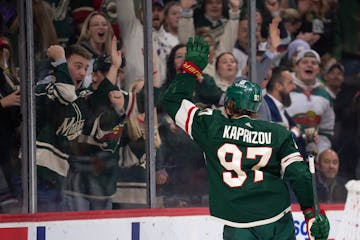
245,94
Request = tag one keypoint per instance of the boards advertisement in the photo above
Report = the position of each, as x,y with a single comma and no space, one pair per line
145,224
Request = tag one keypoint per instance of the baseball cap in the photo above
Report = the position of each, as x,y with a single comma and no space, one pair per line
102,63
333,64
297,46
308,53
158,2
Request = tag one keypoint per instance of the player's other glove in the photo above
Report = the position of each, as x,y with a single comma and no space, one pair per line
196,58
317,227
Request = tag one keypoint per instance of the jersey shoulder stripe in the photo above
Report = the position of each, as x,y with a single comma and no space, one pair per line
289,159
185,116
189,120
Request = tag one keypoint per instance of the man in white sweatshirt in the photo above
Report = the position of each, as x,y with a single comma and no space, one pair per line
311,106
132,33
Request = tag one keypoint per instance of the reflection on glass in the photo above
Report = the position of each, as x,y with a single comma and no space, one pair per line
181,176
10,121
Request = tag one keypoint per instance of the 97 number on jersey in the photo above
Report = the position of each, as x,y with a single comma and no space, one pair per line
235,163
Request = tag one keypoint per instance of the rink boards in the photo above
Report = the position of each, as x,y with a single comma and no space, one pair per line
140,224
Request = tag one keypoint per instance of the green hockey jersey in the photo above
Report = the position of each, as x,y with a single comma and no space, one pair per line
248,161
65,117
58,122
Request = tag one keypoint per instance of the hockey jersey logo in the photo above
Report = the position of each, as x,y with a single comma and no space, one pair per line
308,119
115,133
71,128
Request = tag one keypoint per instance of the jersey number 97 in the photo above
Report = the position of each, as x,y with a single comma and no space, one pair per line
235,163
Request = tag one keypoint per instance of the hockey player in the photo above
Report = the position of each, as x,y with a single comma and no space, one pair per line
248,160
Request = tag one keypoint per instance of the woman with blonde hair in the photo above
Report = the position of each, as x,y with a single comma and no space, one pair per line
95,36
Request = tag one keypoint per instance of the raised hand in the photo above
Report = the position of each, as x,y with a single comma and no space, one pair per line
309,37
236,4
274,34
273,6
196,57
115,62
187,4
197,52
55,52
115,54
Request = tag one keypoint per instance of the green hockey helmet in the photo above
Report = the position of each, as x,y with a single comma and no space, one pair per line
246,95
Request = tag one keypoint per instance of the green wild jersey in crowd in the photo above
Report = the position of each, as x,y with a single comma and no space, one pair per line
59,121
66,116
247,161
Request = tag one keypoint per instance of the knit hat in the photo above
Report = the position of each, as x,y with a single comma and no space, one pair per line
158,2
296,46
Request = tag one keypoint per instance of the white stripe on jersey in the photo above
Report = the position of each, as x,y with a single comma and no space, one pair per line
289,159
54,149
64,92
255,223
130,108
185,115
50,157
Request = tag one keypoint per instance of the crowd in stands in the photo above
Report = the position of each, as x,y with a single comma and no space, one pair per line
90,97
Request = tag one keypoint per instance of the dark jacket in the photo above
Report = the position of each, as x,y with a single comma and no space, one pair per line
276,117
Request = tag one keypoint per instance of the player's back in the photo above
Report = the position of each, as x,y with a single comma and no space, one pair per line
245,159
